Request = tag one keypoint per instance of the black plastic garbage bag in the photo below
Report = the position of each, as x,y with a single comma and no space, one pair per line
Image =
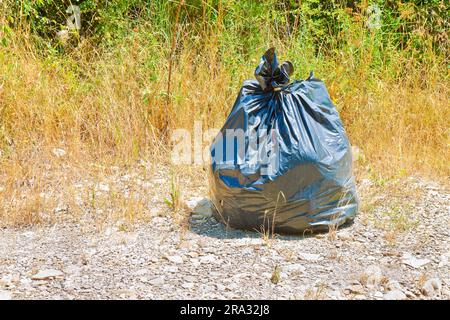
282,161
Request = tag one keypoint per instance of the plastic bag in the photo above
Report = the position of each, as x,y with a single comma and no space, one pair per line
282,161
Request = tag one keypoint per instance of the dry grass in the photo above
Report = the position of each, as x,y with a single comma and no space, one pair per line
108,108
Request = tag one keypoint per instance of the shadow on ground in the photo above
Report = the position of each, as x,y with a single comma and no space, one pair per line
207,225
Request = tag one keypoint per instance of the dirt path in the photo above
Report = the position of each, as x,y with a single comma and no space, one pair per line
386,254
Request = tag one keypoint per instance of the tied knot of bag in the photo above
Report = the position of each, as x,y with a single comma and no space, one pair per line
270,75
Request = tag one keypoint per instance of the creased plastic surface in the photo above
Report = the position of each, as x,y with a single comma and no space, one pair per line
311,185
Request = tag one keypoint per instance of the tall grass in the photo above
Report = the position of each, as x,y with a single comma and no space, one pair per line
108,101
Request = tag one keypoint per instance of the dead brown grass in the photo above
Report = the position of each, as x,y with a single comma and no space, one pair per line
106,108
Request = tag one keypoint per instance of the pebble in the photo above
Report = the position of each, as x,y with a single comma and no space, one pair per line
295,267
394,295
188,285
201,208
344,235
208,259
47,274
309,256
414,262
193,202
5,295
171,269
175,259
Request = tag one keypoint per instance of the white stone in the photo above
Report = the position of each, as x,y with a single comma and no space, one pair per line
47,274
295,267
309,256
378,294
175,259
201,207
394,295
208,259
188,285
5,295
344,235
192,203
414,262
171,269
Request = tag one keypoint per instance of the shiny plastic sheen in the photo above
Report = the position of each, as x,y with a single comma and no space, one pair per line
311,187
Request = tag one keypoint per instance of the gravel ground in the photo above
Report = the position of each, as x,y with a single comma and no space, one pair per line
379,256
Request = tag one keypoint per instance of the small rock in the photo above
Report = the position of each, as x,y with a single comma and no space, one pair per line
193,202
188,285
47,274
394,295
175,259
5,295
208,259
58,152
200,208
344,235
432,287
414,262
295,267
171,269
378,294
309,256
